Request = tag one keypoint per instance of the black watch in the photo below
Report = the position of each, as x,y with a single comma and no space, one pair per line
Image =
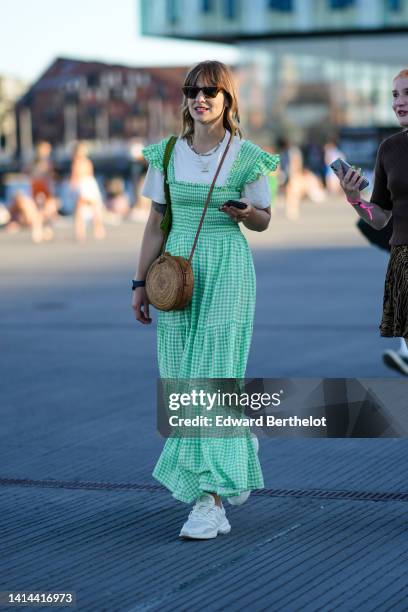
136,284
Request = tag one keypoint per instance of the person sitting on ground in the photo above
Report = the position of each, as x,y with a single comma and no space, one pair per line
24,212
42,185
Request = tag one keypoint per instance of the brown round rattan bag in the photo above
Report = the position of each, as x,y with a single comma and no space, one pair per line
170,282
170,279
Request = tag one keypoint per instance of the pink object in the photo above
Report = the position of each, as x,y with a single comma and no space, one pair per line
366,207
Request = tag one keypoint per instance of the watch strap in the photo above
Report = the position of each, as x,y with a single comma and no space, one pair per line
138,283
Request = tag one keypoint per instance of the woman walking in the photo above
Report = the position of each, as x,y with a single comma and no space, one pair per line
210,338
390,198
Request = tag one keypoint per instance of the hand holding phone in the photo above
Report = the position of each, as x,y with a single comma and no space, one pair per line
235,204
340,169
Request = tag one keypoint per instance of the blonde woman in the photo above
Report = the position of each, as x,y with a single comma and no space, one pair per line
211,337
390,199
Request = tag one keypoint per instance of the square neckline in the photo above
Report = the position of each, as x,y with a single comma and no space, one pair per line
227,184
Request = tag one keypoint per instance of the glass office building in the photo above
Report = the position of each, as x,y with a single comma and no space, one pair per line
308,68
311,88
228,20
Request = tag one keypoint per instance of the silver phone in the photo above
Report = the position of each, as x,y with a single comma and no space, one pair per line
340,163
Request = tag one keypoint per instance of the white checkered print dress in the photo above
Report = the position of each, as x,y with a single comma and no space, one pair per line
211,337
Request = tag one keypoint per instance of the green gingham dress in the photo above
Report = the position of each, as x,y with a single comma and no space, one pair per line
211,337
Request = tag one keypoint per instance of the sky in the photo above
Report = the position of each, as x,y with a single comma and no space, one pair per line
34,32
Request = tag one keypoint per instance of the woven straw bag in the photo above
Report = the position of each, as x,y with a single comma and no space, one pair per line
170,282
170,279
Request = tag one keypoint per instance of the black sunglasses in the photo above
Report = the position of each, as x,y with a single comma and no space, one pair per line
191,91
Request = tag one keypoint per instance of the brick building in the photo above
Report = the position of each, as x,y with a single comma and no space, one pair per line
81,100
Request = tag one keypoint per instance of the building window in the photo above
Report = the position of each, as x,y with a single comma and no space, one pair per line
50,116
91,112
394,5
92,79
230,9
172,11
116,126
206,6
341,4
285,6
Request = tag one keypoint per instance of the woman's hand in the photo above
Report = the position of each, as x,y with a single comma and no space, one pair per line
140,305
373,214
350,183
253,218
238,214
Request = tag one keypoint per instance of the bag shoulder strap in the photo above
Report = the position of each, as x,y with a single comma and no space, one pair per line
165,224
167,153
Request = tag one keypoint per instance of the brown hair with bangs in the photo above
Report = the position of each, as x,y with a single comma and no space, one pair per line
214,74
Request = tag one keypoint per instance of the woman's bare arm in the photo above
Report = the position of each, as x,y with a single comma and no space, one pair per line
151,246
258,219
372,213
151,243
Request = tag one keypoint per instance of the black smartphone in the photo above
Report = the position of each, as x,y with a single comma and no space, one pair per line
235,203
340,163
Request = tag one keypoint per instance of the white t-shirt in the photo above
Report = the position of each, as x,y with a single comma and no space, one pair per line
188,167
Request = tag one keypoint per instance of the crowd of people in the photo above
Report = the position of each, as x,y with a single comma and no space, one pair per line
303,173
38,206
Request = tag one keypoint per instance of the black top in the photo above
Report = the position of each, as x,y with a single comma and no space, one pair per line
391,183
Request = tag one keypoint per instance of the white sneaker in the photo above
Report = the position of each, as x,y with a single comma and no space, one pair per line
240,499
206,520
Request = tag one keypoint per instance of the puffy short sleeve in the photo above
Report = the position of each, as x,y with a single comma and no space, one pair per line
154,153
258,192
153,186
258,162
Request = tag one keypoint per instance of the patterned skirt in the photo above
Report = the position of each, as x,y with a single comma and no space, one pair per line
395,309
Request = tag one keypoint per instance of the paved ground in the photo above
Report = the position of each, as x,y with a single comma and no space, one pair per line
79,509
